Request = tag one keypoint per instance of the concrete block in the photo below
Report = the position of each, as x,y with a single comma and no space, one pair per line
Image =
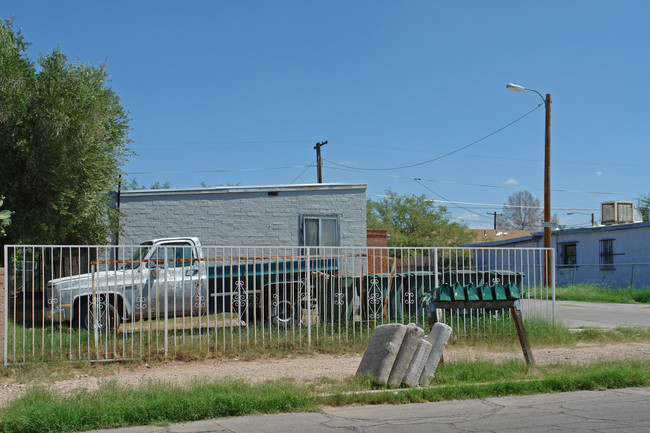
412,336
382,350
419,361
438,338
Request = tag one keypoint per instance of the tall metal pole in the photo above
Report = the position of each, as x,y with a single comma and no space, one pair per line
319,160
547,187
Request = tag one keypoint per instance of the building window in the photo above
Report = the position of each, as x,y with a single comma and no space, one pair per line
606,254
568,256
320,231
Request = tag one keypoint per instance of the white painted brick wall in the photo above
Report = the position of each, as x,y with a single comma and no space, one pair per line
235,216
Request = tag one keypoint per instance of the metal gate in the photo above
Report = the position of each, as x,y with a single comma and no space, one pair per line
175,298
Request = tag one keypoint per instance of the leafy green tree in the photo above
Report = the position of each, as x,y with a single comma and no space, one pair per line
63,139
133,184
415,221
5,217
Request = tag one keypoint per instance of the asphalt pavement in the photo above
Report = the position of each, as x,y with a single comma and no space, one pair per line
624,410
589,314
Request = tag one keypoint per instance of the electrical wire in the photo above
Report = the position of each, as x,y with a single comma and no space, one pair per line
496,205
303,172
213,171
483,185
444,198
449,153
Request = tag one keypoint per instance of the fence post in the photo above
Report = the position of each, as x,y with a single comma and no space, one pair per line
166,304
553,282
308,287
3,314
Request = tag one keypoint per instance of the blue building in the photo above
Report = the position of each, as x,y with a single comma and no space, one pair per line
615,255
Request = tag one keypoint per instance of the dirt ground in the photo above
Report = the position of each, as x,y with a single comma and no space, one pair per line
308,367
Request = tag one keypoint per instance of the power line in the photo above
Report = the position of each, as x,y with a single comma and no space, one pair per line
483,185
303,172
221,142
449,153
215,171
495,205
461,207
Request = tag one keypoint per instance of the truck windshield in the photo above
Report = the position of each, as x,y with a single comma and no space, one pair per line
139,254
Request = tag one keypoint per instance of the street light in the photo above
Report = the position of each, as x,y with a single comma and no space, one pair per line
583,213
547,171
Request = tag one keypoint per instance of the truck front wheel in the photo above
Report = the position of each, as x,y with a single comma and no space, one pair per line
284,312
107,316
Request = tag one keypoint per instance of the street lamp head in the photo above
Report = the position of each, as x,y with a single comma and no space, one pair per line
515,87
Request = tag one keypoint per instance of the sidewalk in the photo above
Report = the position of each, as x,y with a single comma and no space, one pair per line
587,411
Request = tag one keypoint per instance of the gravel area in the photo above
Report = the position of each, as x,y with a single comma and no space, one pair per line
310,367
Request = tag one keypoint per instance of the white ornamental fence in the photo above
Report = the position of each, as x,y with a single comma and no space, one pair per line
177,299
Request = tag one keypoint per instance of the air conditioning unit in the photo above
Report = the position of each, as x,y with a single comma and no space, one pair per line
618,212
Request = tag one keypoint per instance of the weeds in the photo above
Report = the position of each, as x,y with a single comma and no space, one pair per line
112,405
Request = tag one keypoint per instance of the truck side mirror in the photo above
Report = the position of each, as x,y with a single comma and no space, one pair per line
193,271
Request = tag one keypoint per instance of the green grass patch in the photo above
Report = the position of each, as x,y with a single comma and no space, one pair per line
61,343
541,333
468,380
254,342
596,293
157,403
112,405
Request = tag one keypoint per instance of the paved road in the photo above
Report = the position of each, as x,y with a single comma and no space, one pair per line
626,410
589,314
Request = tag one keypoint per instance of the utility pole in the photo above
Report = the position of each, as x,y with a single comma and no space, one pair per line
495,218
547,178
319,160
547,188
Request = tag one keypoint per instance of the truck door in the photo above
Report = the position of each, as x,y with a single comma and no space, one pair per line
179,277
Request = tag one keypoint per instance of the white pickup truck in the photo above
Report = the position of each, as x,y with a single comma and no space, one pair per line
171,277
166,275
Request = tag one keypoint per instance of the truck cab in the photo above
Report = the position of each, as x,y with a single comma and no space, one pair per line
162,278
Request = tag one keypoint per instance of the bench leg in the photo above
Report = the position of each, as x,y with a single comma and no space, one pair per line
523,338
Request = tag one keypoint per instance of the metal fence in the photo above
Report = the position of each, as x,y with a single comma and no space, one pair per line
177,299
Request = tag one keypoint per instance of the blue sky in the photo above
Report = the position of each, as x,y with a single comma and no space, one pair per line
238,92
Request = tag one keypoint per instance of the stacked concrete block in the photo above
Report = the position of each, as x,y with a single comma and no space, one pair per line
398,354
420,358
412,336
382,351
438,338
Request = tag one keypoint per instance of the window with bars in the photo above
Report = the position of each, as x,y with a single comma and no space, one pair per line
606,254
568,255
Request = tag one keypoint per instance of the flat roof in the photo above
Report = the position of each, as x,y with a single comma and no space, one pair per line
245,189
534,235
